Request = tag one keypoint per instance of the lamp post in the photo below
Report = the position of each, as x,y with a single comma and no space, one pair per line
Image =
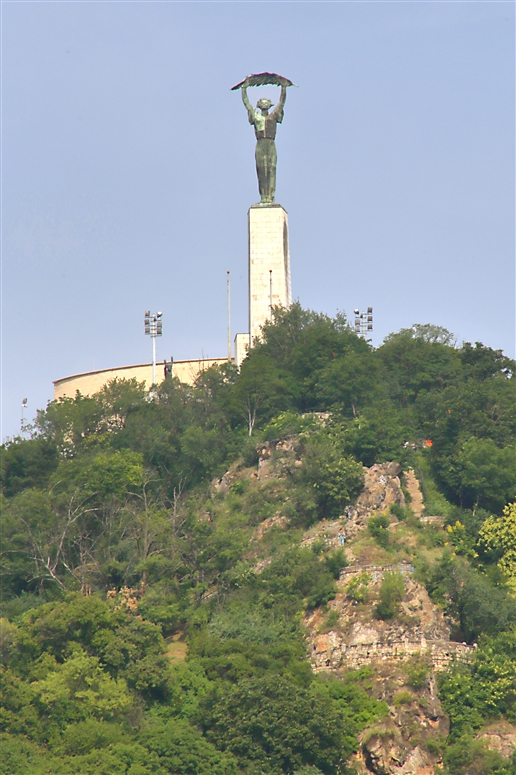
270,294
23,407
228,287
153,328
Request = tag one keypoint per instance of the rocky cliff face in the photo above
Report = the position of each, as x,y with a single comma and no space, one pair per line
382,488
357,638
416,639
404,652
500,737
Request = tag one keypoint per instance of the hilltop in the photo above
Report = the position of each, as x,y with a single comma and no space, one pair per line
303,567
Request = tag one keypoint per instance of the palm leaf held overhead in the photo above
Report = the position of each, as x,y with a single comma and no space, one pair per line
263,79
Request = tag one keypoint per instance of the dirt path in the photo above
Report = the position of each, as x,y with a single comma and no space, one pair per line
412,485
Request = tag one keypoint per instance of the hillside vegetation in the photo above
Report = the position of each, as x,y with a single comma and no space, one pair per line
183,570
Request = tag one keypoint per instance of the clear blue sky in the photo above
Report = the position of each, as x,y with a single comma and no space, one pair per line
128,169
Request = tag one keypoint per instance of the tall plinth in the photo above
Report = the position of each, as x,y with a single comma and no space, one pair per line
269,264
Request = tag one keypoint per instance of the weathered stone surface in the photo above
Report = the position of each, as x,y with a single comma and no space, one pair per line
376,755
384,755
273,456
500,737
362,634
327,530
360,639
432,521
223,484
267,524
416,763
268,253
382,488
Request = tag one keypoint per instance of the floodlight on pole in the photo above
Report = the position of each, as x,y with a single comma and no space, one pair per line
363,322
153,328
23,407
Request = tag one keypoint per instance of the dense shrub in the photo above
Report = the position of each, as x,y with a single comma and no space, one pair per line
391,593
272,725
379,528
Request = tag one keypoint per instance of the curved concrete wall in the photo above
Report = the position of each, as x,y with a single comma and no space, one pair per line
92,381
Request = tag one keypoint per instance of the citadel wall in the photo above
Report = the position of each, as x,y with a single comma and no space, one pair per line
91,382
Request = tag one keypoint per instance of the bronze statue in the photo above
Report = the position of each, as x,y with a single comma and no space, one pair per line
265,129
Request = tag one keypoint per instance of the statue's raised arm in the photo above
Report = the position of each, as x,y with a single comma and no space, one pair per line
247,105
265,129
278,110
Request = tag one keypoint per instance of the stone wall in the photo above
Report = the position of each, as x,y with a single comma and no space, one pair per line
329,653
374,571
360,639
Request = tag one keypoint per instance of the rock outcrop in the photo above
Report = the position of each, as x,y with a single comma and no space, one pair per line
382,488
347,634
500,737
390,757
359,639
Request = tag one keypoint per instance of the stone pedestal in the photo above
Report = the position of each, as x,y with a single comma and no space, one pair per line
241,348
268,252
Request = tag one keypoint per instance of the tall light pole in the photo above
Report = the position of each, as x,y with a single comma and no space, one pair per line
270,293
229,314
153,328
363,322
23,407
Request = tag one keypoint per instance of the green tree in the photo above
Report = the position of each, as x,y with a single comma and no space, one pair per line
349,382
213,391
43,527
334,478
181,749
273,726
499,536
118,399
473,757
378,434
104,475
482,362
27,463
471,600
487,474
78,689
300,573
417,360
303,344
22,515
473,424
483,689
71,423
261,391
20,756
135,651
129,648
18,715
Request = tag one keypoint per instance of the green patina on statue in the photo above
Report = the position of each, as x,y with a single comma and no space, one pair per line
265,129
